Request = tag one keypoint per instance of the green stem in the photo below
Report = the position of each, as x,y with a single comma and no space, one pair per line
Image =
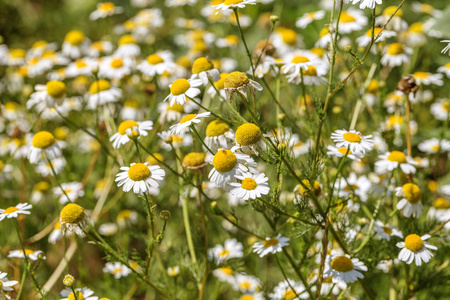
243,40
200,138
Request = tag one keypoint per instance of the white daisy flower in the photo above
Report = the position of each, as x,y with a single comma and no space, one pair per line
308,18
365,3
115,67
140,177
127,47
411,203
343,268
101,92
352,184
31,254
232,4
225,274
182,88
440,210
203,69
352,139
43,143
117,269
299,147
219,85
395,55
187,121
73,219
445,69
385,231
108,229
289,289
6,285
231,249
227,164
75,44
395,159
218,135
311,76
298,60
427,78
104,10
270,245
240,83
128,130
99,47
251,186
396,22
176,140
434,145
415,249
441,109
84,292
173,271
365,40
157,64
48,95
248,137
352,20
247,284
15,211
74,190
81,67
340,152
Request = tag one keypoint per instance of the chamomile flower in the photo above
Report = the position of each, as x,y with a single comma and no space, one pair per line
427,78
445,69
127,47
99,47
117,269
365,3
414,248
426,8
240,83
82,294
298,146
73,219
15,211
6,285
176,140
15,57
81,67
270,245
187,121
203,69
101,92
74,190
441,109
352,184
297,61
395,159
286,40
128,130
43,143
233,4
411,202
340,152
75,43
308,18
127,217
395,55
440,210
310,76
48,95
343,268
225,274
181,88
353,140
231,249
365,40
31,254
434,145
396,22
140,177
289,289
104,10
173,271
115,67
218,135
157,64
227,164
247,136
45,169
352,20
251,186
386,231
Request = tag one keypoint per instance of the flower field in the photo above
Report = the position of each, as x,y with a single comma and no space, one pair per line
224,149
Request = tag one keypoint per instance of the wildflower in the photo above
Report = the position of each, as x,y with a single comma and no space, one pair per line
173,271
395,55
101,92
175,140
81,67
231,249
412,200
203,69
75,43
297,61
308,18
414,248
434,145
82,294
74,190
447,48
341,152
395,159
396,21
365,40
445,69
286,40
140,177
73,219
218,134
127,47
187,121
100,47
359,186
157,64
128,130
300,190
251,186
239,82
233,4
343,268
15,211
31,254
225,274
441,109
181,89
427,78
299,147
56,234
219,85
440,210
126,217
353,140
104,10
227,164
288,289
247,136
6,285
352,20
115,67
194,160
48,95
43,143
117,269
270,245
385,231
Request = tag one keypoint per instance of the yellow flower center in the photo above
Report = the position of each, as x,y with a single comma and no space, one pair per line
289,294
342,264
194,159
441,203
245,285
397,156
412,193
352,137
43,140
56,89
311,71
138,172
74,37
34,61
41,186
248,134
27,252
413,242
304,192
224,161
11,106
200,46
346,18
125,125
154,59
373,87
391,9
129,25
416,27
185,62
288,36
10,210
224,252
387,230
227,270
375,32
324,32
344,151
216,128
396,49
72,213
79,296
230,2
39,44
299,60
446,103
187,118
270,243
117,63
57,226
351,187
80,64
421,75
99,86
318,51
246,297
202,64
127,39
176,107
17,53
328,279
180,86
248,184
106,7
235,80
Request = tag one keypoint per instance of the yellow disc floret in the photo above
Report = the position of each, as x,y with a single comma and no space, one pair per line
138,172
187,118
152,160
342,264
299,60
270,242
236,80
125,125
43,140
230,2
352,137
346,18
10,210
216,128
56,88
154,59
79,296
99,86
72,213
397,156
224,161
180,86
413,242
74,37
202,64
127,39
441,203
220,84
249,184
412,193
395,49
117,63
248,134
194,159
